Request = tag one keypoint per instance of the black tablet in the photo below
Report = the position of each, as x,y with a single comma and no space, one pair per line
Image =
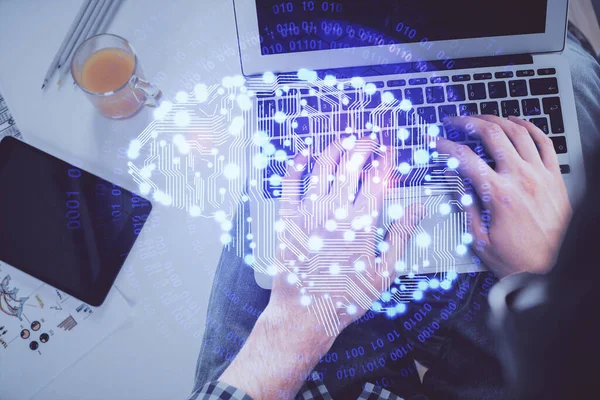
63,225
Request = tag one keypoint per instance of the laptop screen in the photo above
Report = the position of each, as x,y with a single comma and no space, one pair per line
313,25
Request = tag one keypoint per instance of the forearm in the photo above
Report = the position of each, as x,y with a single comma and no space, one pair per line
269,365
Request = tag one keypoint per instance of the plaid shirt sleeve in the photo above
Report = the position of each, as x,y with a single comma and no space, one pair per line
219,391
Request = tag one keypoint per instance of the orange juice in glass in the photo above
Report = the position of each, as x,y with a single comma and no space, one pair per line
107,69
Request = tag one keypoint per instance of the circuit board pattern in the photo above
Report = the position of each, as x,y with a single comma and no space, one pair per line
248,144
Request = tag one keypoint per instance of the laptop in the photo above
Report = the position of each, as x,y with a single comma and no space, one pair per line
327,70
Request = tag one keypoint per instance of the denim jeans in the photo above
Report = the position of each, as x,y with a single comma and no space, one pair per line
446,331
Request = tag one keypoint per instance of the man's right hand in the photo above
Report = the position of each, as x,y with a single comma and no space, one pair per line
521,209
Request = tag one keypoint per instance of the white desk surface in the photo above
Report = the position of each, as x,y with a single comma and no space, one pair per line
154,356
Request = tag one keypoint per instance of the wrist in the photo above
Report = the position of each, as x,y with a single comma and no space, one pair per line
298,328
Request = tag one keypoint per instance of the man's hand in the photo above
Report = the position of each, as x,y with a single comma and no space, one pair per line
288,339
521,210
332,228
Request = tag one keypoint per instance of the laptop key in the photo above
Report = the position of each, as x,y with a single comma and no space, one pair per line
468,109
461,78
378,84
525,72
455,92
503,74
518,88
542,123
565,169
266,108
531,107
543,86
439,79
415,95
312,101
447,111
397,93
426,115
373,100
510,107
417,81
303,126
476,91
480,77
271,127
435,94
490,108
497,90
553,108
396,83
329,104
454,134
560,144
351,100
405,118
288,105
546,71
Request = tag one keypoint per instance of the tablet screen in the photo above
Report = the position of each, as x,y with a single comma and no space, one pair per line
63,225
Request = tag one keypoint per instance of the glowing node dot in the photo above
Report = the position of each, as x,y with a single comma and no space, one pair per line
357,82
445,284
340,214
421,156
195,211
279,117
272,270
387,97
395,211
466,200
434,283
404,168
226,238
305,300
401,308
231,171
181,97
334,269
386,296
452,275
390,312
269,77
452,163
349,235
330,80
249,259
461,249
376,306
422,285
467,238
145,188
292,278
405,105
182,118
370,89
331,225
315,243
360,266
351,309
279,226
400,266
417,295
423,239
433,130
313,197
403,134
445,209
383,247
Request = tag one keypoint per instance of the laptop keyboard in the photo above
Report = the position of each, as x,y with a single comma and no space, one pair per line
318,116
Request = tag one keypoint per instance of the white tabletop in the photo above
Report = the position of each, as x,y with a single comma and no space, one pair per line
154,356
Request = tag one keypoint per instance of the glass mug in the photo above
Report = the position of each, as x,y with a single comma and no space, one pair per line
107,69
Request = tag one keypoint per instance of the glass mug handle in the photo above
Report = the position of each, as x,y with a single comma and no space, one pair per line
152,94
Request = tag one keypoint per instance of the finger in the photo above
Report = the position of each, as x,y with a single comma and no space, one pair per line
519,136
399,233
326,165
470,165
544,144
291,192
375,183
351,172
494,139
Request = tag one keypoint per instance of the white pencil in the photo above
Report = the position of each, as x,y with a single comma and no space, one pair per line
63,46
85,34
75,37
